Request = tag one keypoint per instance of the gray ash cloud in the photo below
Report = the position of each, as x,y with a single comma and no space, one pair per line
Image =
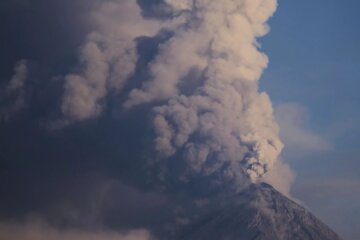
153,96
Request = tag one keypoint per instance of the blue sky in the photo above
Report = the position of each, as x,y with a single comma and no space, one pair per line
314,62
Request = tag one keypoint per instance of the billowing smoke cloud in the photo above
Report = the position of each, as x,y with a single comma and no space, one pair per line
203,82
216,117
39,230
13,94
108,58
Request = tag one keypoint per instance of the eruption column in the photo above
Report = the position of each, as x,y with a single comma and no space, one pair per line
207,76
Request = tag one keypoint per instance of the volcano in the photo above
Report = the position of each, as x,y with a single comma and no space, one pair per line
258,213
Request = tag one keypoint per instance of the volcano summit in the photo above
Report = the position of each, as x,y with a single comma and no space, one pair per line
258,213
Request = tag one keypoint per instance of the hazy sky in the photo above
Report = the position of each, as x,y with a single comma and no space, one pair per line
92,174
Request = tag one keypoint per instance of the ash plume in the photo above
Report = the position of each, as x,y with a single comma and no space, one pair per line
224,123
107,59
144,120
202,84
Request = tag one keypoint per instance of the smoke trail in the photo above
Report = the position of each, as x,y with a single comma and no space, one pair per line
208,73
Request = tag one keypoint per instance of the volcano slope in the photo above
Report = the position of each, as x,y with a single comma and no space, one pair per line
258,213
